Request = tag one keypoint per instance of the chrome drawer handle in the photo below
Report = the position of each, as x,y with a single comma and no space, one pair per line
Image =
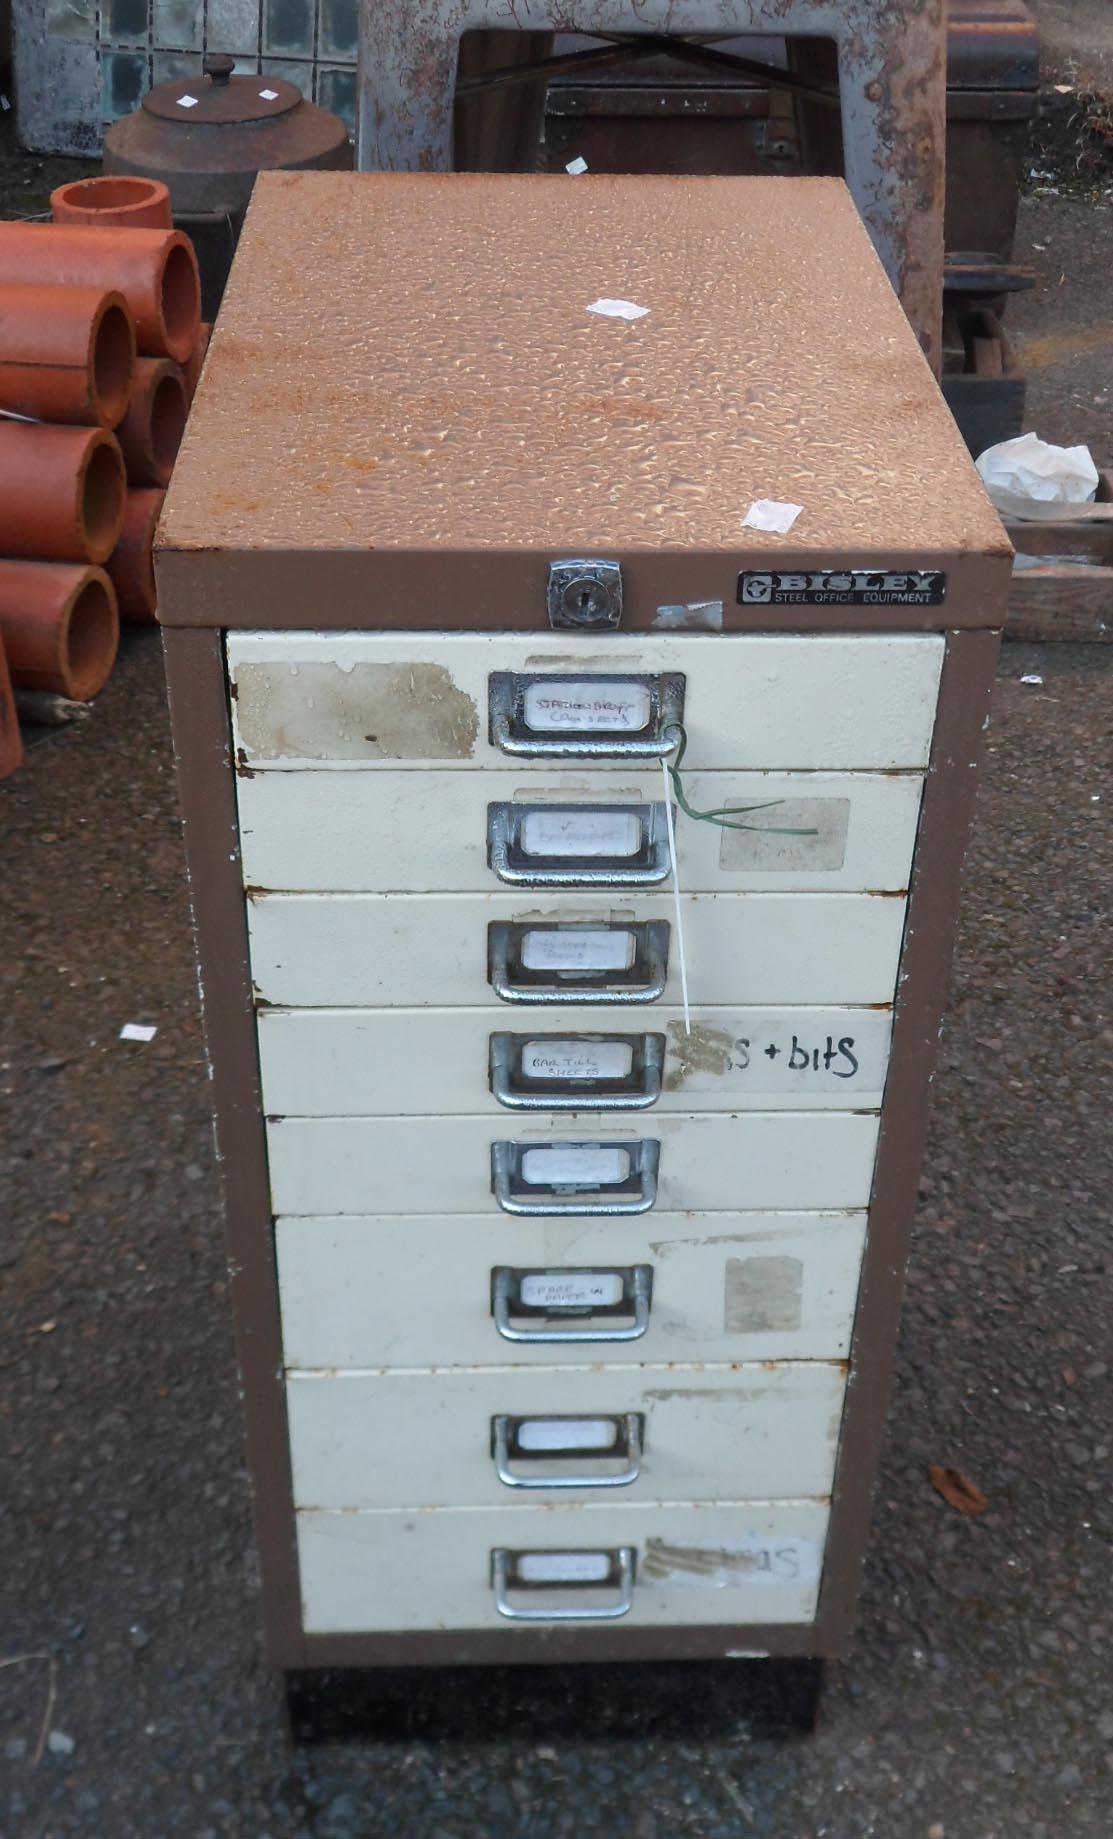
507,1436
616,1072
554,717
634,1191
513,981
538,1570
630,1306
578,846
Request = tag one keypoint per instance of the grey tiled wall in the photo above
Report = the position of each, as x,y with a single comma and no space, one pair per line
83,63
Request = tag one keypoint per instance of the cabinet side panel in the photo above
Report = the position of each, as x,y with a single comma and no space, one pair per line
202,745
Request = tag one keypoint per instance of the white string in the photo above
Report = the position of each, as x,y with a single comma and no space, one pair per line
676,898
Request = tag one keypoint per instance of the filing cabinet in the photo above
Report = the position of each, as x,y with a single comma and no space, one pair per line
574,869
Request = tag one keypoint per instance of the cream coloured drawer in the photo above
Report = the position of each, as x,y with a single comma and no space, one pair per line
386,1062
371,950
730,1564
441,831
478,1438
775,1161
369,699
411,1292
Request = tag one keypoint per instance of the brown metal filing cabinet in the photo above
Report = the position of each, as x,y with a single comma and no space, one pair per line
566,1318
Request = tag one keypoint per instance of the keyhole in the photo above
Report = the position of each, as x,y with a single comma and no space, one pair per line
586,599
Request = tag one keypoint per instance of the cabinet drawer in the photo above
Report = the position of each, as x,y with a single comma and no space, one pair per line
734,1565
437,831
374,950
778,1161
411,1292
477,1438
410,1062
304,699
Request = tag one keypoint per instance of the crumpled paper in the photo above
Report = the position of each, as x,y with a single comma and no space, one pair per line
771,514
1032,479
618,309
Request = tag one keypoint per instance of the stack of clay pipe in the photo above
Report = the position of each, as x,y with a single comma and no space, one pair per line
101,349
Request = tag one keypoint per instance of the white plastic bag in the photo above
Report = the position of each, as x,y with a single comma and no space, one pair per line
1030,478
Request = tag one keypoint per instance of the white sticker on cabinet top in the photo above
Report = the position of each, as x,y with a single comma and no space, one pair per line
570,1289
562,832
577,951
564,1567
575,1165
577,1060
599,704
567,1433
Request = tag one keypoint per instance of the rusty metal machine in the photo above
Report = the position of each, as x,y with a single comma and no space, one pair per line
579,647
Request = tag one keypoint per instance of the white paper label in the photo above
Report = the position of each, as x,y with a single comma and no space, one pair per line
581,833
577,951
570,1289
564,1567
567,1433
575,1165
577,1060
593,705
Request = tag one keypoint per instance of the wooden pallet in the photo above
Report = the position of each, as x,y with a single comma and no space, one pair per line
1062,585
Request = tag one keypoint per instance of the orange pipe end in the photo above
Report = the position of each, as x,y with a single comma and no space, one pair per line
62,492
151,431
117,203
195,363
11,741
67,354
131,568
155,270
59,626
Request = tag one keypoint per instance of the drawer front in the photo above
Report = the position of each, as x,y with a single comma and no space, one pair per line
435,832
413,1062
411,1292
761,1161
375,950
319,700
391,1571
481,1438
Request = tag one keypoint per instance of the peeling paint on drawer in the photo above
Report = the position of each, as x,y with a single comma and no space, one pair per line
361,711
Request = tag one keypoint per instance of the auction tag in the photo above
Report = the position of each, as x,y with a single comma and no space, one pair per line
567,1433
579,1165
564,832
578,951
595,705
577,1060
570,1289
564,1567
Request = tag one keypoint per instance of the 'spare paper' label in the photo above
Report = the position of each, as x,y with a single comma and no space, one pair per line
581,833
538,1434
593,706
578,1165
571,1289
564,1567
577,951
577,1060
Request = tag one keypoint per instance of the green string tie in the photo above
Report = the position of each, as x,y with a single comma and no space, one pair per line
724,817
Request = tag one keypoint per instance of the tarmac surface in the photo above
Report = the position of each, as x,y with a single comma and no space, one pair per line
977,1701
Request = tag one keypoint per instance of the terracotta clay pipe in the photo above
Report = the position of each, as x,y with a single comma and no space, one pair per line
62,492
66,354
59,627
131,566
113,202
151,431
194,364
11,741
155,270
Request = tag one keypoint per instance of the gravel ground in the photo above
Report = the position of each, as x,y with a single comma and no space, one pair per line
976,1703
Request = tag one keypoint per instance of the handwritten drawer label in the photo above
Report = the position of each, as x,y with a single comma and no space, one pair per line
564,1567
577,951
595,704
567,1433
571,1290
575,1165
581,833
577,1060
723,1567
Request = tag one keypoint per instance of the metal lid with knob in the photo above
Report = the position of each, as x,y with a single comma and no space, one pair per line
224,98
